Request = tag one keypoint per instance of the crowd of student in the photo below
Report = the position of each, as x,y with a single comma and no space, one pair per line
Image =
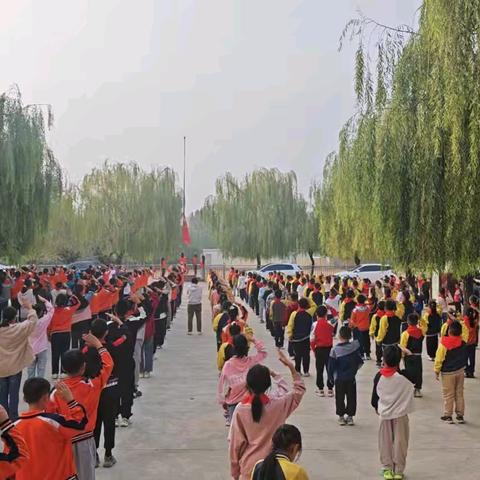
103,327
393,315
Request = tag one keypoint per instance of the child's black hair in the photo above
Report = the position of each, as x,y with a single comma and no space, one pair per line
258,382
412,319
345,333
455,329
392,356
240,345
321,311
34,389
285,437
390,305
73,361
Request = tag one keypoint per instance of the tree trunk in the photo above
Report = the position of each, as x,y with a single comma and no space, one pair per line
411,280
468,289
312,260
259,261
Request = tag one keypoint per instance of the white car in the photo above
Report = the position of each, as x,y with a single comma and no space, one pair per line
372,271
283,268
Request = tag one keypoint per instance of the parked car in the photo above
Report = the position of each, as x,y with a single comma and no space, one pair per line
283,268
372,271
84,264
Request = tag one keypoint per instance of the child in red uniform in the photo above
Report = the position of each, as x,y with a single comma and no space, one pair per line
48,435
87,391
60,328
15,453
321,341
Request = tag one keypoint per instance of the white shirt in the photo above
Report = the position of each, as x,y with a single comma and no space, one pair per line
242,282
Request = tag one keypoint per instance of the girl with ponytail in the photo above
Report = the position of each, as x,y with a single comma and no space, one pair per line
258,416
280,463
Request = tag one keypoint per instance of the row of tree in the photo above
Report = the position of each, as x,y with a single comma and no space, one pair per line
261,215
30,177
118,212
404,184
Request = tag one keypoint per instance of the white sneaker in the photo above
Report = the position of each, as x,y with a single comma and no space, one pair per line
117,421
306,374
189,333
146,375
125,422
55,376
142,374
320,393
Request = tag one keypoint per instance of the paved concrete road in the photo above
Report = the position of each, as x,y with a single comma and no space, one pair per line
179,433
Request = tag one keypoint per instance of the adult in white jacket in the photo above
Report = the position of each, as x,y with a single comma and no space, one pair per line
15,354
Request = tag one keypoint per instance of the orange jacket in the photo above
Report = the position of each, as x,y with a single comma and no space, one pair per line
62,318
360,318
88,393
15,453
49,439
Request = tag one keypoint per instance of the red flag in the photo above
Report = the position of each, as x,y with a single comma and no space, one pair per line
185,232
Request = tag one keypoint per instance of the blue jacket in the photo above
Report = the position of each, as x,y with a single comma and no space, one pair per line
344,361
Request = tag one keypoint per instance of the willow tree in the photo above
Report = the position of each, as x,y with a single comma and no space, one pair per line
260,215
404,184
29,174
126,212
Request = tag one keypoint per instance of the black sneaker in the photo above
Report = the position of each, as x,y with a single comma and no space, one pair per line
109,461
460,419
447,419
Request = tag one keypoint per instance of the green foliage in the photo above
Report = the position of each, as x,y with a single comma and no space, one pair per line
261,215
404,185
29,175
118,212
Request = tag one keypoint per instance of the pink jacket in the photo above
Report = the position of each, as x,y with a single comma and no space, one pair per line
250,442
232,384
38,338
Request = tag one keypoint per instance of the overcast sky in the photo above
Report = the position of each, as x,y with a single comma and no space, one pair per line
251,83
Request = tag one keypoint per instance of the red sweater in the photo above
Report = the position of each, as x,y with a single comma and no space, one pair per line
322,334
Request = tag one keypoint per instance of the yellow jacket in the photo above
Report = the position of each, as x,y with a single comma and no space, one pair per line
443,331
291,471
373,324
221,356
216,320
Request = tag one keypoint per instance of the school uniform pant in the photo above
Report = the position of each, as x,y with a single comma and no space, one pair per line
60,344
160,331
9,394
146,361
393,443
378,352
452,390
137,355
432,345
79,329
84,453
173,308
363,338
470,368
346,397
197,311
322,354
38,366
414,369
279,334
302,355
126,386
243,294
106,415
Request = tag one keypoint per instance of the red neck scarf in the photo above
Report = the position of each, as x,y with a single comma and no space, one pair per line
389,313
380,313
348,300
249,399
388,371
414,331
451,342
